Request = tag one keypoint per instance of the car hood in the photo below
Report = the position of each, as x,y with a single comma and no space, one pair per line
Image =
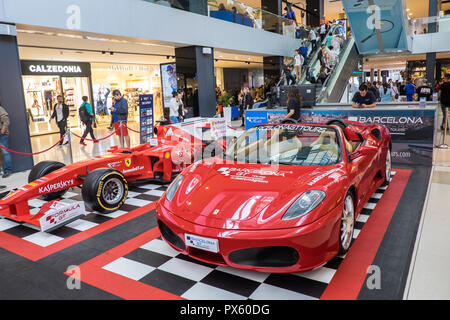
215,193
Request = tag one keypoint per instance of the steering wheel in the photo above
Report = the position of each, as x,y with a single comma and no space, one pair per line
289,120
337,122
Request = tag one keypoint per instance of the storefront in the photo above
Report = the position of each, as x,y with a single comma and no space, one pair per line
43,81
132,80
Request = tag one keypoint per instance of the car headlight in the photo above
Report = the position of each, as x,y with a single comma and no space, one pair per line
173,188
304,204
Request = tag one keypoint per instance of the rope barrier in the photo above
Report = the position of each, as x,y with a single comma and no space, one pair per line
35,153
130,128
93,139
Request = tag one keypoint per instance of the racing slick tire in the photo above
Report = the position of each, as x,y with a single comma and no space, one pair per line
42,169
387,168
105,190
347,224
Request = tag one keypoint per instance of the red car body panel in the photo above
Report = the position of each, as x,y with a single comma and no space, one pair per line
213,202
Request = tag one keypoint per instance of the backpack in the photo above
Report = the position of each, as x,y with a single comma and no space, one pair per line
84,114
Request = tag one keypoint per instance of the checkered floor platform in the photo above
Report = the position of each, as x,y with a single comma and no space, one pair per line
138,195
160,266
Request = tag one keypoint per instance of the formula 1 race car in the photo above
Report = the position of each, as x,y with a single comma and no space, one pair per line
104,179
283,198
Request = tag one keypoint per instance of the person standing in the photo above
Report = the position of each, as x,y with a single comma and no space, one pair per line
424,90
61,114
323,31
247,103
181,110
120,108
298,64
4,141
410,90
386,93
294,103
304,52
312,37
444,98
173,107
287,71
86,116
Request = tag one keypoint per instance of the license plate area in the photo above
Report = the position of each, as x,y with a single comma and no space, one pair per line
202,243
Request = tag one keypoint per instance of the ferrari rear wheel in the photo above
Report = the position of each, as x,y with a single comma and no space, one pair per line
347,224
388,168
105,190
42,169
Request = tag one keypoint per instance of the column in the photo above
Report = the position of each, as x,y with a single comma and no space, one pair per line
197,63
12,97
431,56
316,11
272,71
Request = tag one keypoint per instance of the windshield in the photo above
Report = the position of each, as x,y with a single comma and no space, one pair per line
304,145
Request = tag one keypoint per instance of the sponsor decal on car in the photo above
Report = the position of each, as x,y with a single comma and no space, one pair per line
128,162
133,169
115,164
60,213
226,171
323,175
56,186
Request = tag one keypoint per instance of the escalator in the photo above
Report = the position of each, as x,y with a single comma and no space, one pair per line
334,87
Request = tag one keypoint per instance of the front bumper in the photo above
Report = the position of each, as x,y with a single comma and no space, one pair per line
282,250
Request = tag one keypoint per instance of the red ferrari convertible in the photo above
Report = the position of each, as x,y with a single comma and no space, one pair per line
283,198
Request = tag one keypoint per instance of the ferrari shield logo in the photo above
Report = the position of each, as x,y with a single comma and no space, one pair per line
128,162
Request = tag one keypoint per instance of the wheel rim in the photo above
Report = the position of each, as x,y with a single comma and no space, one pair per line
113,191
348,223
388,166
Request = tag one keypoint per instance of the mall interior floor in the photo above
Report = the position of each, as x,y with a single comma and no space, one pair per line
428,276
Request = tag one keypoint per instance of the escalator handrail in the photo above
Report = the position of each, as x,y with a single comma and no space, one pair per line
345,52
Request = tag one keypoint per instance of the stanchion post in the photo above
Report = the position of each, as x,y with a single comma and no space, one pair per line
121,135
70,145
444,145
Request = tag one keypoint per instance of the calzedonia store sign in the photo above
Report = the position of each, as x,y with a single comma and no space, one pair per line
48,68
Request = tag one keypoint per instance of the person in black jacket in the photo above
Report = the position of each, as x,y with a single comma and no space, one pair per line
61,113
247,103
294,104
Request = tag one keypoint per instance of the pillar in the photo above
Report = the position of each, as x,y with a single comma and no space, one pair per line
431,56
12,97
272,71
198,64
315,11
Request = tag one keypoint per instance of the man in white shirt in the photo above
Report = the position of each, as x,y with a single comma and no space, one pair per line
61,113
323,31
313,38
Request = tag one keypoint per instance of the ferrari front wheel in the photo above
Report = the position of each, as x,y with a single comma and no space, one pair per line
105,190
388,168
347,224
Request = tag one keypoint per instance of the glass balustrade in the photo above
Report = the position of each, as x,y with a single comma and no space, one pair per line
430,25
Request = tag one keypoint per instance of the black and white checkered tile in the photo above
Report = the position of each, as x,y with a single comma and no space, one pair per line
158,265
138,195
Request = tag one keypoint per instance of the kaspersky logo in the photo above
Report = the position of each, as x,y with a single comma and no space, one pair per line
56,186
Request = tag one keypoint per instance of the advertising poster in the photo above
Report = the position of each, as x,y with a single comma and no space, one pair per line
411,130
102,98
169,82
146,117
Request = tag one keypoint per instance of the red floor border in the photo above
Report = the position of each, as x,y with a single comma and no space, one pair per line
35,252
349,278
91,272
345,285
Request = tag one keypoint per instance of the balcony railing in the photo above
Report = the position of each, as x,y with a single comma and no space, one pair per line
430,25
